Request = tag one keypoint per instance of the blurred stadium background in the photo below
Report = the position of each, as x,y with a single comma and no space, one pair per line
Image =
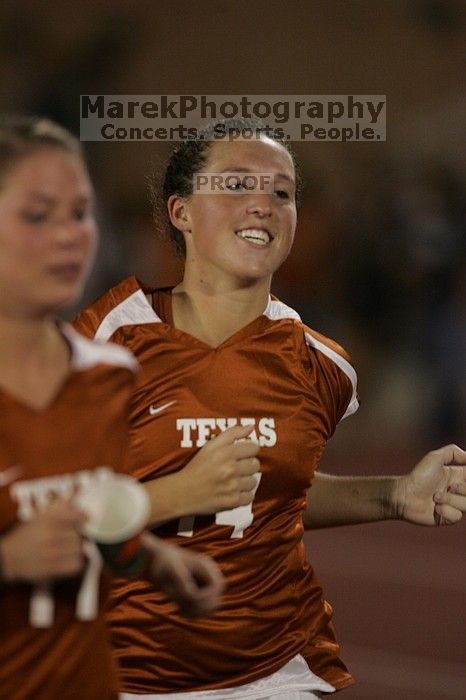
378,264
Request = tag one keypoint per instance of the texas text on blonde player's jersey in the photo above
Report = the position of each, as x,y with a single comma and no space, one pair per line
44,453
294,386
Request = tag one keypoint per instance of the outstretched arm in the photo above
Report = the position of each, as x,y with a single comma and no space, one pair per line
433,493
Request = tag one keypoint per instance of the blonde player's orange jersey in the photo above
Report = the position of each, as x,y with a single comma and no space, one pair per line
294,386
45,453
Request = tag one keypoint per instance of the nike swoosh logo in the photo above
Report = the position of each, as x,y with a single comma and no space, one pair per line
154,410
7,476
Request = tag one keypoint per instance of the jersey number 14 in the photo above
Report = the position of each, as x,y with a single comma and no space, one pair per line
239,518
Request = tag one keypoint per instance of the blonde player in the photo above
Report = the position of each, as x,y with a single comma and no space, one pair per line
218,350
64,404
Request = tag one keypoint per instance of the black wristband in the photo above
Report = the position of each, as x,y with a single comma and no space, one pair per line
125,562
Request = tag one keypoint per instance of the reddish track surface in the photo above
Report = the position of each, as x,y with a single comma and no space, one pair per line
399,598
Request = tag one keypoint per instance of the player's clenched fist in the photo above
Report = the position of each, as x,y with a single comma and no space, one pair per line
221,475
192,580
434,492
47,547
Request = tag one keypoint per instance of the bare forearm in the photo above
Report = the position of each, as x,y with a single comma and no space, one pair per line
340,500
432,493
168,498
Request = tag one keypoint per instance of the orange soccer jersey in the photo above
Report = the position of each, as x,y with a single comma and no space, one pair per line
49,452
294,386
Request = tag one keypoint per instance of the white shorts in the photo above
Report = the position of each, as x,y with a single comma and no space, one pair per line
294,681
292,695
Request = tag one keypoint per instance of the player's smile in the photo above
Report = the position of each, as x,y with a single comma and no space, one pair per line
256,235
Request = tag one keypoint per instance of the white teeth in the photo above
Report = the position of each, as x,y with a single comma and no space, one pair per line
255,235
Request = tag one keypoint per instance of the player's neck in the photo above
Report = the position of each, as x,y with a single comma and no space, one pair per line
34,358
213,313
24,332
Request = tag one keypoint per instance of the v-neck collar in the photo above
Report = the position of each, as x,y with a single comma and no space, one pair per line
83,355
164,314
69,336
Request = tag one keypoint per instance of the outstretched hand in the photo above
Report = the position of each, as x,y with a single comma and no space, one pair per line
192,580
434,492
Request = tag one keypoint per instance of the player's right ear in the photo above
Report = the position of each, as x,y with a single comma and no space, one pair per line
178,212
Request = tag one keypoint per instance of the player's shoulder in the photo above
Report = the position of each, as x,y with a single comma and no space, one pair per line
328,346
329,355
126,292
87,354
124,304
278,311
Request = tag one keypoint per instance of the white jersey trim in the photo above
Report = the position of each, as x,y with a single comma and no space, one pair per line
277,310
294,676
86,353
133,310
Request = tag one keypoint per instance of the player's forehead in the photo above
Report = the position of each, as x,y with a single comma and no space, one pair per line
258,155
48,171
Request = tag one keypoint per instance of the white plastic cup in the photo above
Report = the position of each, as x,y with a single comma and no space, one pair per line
117,508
